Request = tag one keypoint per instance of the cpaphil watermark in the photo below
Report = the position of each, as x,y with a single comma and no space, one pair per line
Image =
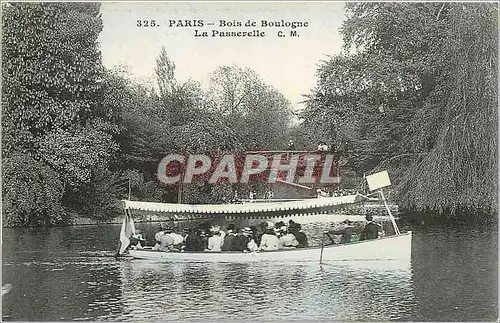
243,168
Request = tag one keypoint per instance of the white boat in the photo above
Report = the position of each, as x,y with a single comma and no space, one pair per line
396,248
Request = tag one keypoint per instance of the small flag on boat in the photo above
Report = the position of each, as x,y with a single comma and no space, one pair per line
127,230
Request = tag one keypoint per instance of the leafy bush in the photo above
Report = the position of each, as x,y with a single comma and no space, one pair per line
31,192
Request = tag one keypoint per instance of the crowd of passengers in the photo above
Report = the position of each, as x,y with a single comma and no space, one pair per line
266,236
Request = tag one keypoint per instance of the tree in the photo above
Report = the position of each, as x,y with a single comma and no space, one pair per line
54,106
164,70
459,170
415,88
50,68
31,192
258,113
77,155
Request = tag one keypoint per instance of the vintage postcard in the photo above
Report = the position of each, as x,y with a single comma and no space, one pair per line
249,161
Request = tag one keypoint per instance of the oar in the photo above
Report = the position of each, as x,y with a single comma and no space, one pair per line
322,247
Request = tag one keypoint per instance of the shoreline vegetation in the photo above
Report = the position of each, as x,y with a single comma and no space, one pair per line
414,91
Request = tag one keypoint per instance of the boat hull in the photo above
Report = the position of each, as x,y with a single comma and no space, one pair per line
392,249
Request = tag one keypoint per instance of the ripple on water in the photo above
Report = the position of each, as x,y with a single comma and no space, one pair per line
451,278
250,291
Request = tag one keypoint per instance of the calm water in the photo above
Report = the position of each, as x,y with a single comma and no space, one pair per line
63,274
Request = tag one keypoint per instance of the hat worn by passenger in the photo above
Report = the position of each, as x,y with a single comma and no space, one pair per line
279,224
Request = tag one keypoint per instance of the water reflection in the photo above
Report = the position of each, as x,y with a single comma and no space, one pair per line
213,291
456,270
60,274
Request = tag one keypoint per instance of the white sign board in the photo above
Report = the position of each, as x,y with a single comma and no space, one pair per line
378,180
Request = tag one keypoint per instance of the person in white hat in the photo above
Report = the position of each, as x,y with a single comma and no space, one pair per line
178,240
216,240
269,240
215,228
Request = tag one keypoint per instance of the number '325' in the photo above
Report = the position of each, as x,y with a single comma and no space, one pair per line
146,23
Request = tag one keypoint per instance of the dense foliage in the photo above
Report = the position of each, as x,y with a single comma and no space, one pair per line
51,69
416,92
76,136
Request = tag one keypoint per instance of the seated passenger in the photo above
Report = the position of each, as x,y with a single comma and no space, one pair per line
371,229
193,242
241,240
254,231
345,231
216,228
166,241
261,230
215,242
292,224
185,233
178,240
203,237
287,240
135,241
159,233
299,235
205,226
249,241
230,243
158,236
269,241
279,225
280,229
